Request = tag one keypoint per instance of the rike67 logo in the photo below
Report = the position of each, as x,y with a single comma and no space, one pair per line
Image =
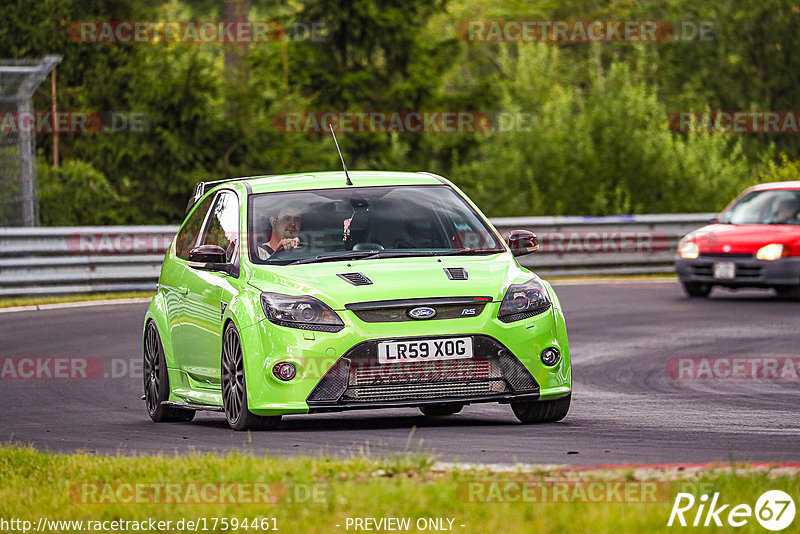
774,510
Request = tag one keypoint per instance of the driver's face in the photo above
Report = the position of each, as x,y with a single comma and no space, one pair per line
287,223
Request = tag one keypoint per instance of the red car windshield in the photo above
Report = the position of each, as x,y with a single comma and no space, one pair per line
777,206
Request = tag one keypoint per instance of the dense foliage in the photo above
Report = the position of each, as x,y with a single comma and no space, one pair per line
576,128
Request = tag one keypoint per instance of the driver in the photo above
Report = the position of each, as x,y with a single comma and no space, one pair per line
787,211
284,234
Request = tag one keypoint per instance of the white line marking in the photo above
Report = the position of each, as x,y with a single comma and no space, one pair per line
610,281
80,304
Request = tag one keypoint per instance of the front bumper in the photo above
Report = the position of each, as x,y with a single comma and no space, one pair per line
345,363
359,380
749,272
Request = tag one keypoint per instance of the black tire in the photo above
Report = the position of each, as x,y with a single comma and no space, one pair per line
156,380
696,289
542,411
436,410
234,387
788,292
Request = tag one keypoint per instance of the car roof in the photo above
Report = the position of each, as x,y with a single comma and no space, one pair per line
776,185
334,179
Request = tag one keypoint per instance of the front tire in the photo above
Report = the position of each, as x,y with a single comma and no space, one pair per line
234,387
788,292
437,410
542,411
696,289
156,381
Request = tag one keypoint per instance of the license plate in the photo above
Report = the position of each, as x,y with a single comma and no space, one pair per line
421,350
725,270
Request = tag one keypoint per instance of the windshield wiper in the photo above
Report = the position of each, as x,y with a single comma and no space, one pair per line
351,255
445,252
376,254
469,251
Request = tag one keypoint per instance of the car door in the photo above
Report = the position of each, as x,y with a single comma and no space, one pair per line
208,292
172,282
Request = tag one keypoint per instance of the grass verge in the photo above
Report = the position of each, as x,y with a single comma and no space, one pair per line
45,299
317,494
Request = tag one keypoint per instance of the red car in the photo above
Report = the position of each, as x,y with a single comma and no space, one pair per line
755,242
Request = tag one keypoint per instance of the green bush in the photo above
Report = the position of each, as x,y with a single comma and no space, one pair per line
599,148
785,171
76,194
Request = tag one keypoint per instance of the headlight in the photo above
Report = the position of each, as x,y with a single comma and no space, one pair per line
524,300
306,313
688,250
772,252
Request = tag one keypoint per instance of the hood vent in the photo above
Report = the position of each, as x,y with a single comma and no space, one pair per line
357,279
456,273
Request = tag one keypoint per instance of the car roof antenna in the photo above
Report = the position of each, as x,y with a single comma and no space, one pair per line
346,175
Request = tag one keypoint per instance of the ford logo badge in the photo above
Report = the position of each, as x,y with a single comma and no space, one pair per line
423,312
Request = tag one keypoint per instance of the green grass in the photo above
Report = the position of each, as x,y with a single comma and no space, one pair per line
45,299
38,485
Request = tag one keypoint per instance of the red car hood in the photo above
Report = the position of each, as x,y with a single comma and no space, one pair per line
744,238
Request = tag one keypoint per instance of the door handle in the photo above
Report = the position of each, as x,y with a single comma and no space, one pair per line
182,290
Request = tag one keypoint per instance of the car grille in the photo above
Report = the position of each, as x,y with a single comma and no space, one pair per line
743,272
388,311
439,370
724,256
357,377
424,391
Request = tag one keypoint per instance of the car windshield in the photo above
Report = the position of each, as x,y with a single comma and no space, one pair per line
365,222
780,206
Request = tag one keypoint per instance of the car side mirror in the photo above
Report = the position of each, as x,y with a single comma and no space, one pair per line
208,258
522,242
715,220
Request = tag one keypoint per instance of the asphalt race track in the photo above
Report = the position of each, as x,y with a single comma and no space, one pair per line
626,407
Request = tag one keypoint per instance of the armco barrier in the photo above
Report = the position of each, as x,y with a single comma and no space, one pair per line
96,259
615,245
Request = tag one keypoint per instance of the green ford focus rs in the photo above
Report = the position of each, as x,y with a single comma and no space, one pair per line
321,292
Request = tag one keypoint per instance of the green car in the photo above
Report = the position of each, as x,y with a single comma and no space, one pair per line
321,292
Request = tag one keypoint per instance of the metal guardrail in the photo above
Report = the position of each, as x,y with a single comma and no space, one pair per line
615,245
96,259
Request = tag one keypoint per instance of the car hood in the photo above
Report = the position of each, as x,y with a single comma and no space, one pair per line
392,278
743,238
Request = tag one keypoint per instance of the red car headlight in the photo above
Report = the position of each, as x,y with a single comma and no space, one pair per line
772,252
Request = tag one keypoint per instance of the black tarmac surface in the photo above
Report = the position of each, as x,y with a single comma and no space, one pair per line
626,407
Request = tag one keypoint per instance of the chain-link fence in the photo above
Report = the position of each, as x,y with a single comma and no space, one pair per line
19,78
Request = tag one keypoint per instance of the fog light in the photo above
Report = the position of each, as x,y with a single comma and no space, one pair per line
284,371
550,356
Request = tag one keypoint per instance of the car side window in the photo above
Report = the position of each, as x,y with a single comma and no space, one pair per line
222,227
187,237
